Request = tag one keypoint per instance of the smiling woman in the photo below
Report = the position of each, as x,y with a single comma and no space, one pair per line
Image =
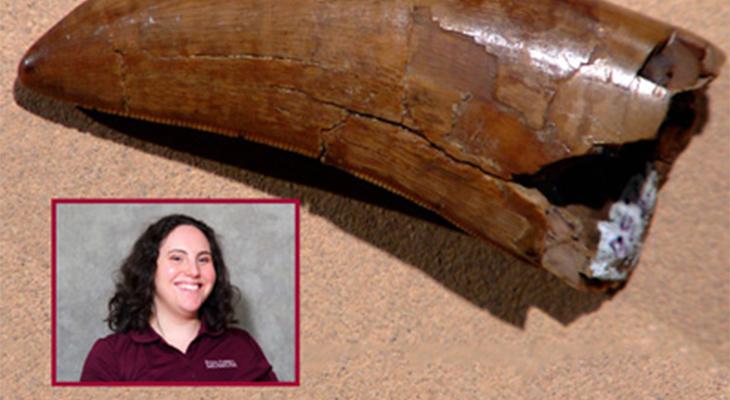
172,313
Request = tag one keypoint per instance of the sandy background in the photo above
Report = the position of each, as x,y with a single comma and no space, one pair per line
393,303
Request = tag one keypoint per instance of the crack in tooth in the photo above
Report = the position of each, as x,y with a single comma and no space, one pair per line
391,123
457,110
349,111
123,78
325,132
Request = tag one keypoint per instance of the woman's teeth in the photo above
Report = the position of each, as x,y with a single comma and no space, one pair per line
188,286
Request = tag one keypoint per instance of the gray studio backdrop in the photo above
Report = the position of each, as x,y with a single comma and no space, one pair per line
258,242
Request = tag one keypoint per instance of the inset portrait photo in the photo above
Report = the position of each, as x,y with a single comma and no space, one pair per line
175,292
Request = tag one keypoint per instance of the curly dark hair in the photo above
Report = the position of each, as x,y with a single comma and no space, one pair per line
131,306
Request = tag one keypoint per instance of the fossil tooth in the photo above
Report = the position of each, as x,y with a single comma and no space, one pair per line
545,127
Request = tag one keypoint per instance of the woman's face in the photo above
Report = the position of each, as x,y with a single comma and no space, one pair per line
185,272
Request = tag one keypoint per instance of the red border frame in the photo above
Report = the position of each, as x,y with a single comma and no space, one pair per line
297,205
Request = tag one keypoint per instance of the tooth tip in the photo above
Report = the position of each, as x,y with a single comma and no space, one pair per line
27,66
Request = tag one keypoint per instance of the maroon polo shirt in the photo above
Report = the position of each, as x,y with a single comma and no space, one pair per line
229,355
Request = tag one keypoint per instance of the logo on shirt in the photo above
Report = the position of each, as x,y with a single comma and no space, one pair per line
220,364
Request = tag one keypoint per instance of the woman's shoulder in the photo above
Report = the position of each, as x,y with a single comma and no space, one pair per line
119,342
240,338
238,334
106,359
101,362
123,339
110,342
116,337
